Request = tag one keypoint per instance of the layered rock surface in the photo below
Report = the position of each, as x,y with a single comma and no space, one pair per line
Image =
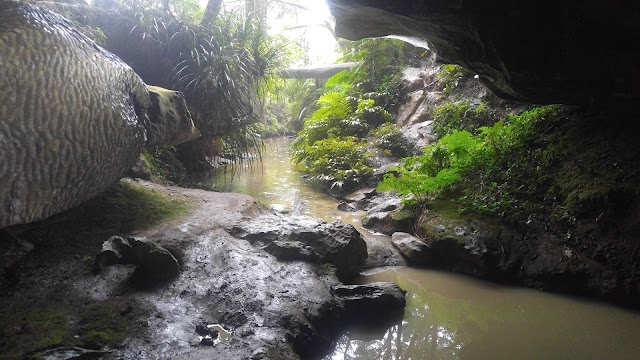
274,305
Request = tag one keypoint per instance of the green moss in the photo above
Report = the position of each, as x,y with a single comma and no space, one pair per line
149,207
49,327
129,206
33,328
462,115
165,167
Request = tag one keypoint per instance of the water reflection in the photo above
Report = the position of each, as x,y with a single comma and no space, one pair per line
453,317
448,316
275,182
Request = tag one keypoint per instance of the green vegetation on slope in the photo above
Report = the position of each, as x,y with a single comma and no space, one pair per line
545,164
354,107
488,158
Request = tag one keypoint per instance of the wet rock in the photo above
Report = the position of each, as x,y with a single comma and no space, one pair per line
141,169
382,254
412,248
379,172
291,251
412,84
458,245
385,203
310,240
71,352
365,193
361,197
379,221
258,354
384,215
207,341
207,335
347,207
371,305
204,330
153,262
420,134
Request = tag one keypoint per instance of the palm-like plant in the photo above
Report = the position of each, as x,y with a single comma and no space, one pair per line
224,74
223,67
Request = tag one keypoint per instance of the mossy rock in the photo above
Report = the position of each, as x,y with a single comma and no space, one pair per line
36,327
103,325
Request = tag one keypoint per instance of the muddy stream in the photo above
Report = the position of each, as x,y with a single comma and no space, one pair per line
448,316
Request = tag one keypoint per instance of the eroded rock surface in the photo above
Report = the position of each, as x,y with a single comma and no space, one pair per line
67,131
307,239
269,308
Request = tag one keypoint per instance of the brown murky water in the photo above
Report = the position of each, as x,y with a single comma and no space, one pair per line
454,317
450,316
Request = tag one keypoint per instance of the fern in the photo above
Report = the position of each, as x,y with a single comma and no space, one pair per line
333,105
490,161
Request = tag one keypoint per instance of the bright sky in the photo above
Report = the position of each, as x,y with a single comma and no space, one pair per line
322,45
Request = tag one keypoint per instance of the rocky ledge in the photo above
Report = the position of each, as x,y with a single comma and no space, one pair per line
489,249
234,281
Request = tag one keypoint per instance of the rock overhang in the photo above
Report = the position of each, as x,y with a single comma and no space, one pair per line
572,52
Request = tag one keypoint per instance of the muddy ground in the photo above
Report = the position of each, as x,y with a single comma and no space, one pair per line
261,307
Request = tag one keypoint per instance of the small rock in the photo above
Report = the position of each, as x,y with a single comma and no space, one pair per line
258,354
153,262
347,207
207,341
371,305
413,249
306,239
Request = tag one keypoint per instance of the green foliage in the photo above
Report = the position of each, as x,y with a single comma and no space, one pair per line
424,177
339,162
482,166
372,115
224,68
353,102
388,137
461,115
226,74
449,76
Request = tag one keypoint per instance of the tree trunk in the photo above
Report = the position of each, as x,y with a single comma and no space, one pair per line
319,72
211,12
257,8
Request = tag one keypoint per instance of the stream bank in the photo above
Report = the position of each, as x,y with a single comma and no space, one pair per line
232,298
447,315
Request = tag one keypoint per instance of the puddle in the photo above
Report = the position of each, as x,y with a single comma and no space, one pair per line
213,334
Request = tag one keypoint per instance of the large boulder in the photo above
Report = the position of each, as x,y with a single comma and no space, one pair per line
373,305
73,117
300,238
559,51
